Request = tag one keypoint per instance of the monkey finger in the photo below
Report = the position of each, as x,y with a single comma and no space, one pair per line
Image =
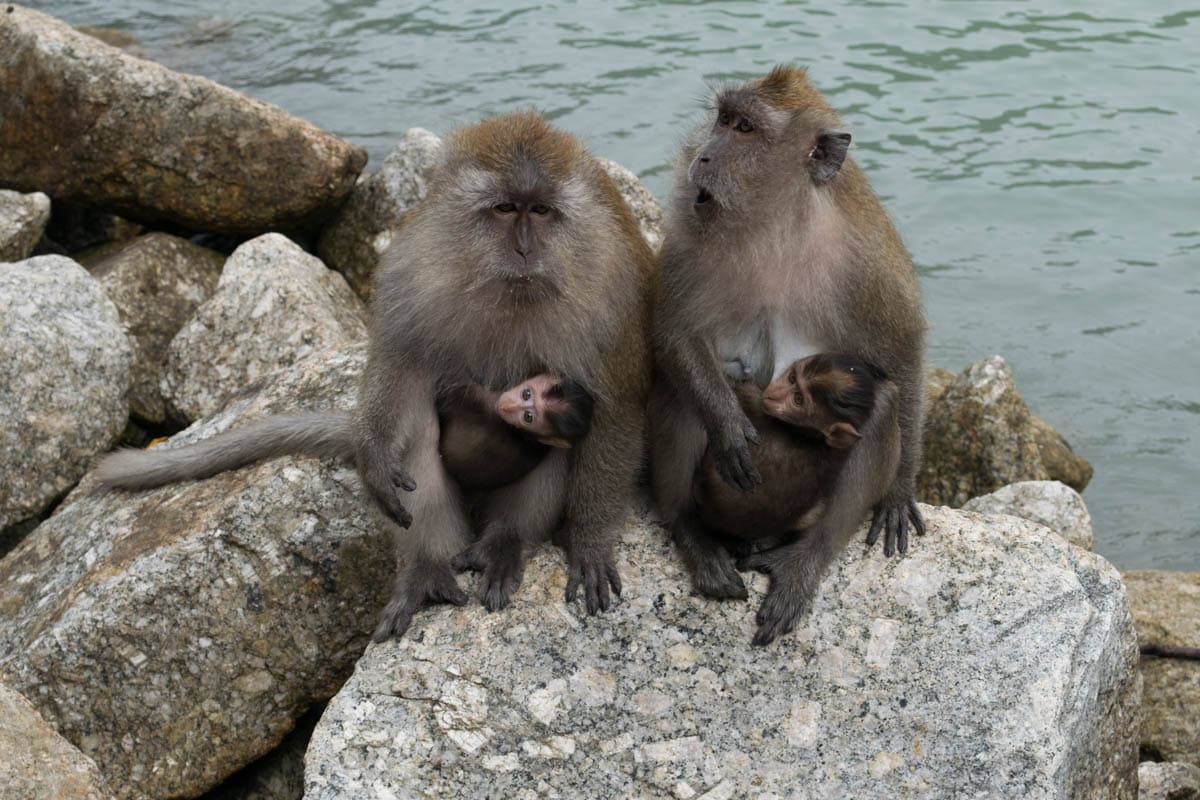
403,480
877,521
889,534
755,562
914,514
574,578
902,536
614,578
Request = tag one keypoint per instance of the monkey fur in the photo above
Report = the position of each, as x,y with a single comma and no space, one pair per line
773,227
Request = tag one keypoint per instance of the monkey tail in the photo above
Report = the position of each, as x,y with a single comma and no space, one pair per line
323,434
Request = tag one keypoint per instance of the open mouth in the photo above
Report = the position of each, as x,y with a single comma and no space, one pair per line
703,197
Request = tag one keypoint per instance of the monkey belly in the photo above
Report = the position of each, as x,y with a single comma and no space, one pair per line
791,489
481,457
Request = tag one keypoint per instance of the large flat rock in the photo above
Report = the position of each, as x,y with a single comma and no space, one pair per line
64,380
86,122
992,661
175,636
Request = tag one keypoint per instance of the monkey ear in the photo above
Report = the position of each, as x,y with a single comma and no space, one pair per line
841,435
555,441
827,155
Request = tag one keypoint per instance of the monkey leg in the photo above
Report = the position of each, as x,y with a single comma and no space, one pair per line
677,441
517,518
440,530
796,568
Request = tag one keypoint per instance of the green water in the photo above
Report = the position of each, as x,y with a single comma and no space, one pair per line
1040,163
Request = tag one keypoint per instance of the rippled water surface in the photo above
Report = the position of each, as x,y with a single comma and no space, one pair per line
1042,165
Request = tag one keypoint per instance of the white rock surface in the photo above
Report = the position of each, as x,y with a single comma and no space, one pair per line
992,661
1051,503
1168,781
23,217
642,203
64,380
274,305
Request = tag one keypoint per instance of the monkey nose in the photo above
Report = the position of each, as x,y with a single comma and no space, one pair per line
508,406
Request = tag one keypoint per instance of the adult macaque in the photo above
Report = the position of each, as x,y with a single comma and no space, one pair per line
490,439
523,259
807,420
773,227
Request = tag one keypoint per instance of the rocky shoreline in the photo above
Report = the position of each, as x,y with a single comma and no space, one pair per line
176,258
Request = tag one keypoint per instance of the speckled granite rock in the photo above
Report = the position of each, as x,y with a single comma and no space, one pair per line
1166,610
1050,503
23,217
174,636
992,661
642,203
359,234
1059,459
274,305
1165,781
64,380
38,764
85,122
279,775
156,281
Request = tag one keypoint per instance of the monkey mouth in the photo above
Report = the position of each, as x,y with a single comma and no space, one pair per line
703,197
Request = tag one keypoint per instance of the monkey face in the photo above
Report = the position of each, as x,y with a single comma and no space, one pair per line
525,406
732,152
831,394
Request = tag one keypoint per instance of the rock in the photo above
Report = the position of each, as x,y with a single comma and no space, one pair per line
357,237
1166,610
85,122
277,776
64,380
175,636
274,305
38,764
992,661
645,208
937,380
1050,503
1061,461
75,228
1158,781
156,281
23,217
978,437
115,37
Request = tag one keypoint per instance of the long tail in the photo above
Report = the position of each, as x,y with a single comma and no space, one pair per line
328,435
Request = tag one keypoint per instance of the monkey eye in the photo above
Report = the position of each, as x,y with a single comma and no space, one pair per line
798,399
744,126
528,417
540,208
505,208
724,117
526,393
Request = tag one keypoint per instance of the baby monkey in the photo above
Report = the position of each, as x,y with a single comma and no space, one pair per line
807,419
490,439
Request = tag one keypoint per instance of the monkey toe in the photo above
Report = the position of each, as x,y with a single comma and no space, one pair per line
468,560
614,578
781,609
394,621
914,515
721,582
500,581
402,480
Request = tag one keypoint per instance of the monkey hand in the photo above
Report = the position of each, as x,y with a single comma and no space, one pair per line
384,485
734,461
417,585
499,555
595,572
892,516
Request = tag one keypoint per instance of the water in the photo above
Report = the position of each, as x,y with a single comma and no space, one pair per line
1041,165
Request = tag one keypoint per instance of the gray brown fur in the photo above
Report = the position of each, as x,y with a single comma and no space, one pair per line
783,238
452,306
323,434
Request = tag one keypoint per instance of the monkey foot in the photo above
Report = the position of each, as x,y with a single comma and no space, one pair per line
781,609
416,587
501,559
717,578
595,574
892,517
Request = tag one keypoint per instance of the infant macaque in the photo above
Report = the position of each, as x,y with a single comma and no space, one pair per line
490,439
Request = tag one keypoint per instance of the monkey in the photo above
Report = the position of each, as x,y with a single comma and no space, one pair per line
490,439
808,419
772,225
522,259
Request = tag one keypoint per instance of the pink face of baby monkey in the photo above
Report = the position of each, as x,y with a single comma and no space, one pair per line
801,397
531,406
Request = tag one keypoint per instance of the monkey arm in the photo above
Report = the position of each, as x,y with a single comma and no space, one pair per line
898,507
692,367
